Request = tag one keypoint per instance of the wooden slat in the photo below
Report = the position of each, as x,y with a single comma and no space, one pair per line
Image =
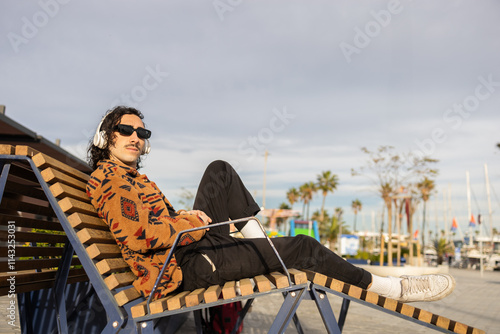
139,310
30,277
119,280
61,190
297,276
51,176
229,291
336,285
70,205
26,150
41,285
159,305
316,278
28,251
406,309
246,287
7,149
278,279
107,266
195,297
21,172
30,222
42,161
29,190
103,251
126,295
34,237
18,204
89,236
80,220
177,301
263,284
212,294
34,264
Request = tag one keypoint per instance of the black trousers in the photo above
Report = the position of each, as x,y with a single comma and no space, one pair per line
223,196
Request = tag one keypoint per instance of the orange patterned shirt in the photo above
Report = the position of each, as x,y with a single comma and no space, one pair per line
143,223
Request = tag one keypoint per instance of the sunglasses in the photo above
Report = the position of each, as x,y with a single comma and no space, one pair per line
127,130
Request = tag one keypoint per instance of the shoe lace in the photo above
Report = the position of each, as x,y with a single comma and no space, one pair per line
417,285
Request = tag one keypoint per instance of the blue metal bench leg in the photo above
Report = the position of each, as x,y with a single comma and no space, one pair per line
242,315
287,310
198,320
325,310
26,320
343,312
3,178
298,326
59,287
296,321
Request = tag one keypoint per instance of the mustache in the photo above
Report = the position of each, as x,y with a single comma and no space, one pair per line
132,145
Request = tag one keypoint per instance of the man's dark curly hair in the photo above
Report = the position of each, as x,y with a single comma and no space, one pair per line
111,119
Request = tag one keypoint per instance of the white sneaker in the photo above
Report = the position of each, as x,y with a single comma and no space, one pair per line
425,288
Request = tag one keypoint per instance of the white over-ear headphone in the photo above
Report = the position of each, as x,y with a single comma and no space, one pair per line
100,138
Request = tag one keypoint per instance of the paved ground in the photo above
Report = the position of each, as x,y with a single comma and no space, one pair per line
475,302
9,319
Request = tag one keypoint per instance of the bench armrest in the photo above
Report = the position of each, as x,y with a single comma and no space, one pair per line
176,241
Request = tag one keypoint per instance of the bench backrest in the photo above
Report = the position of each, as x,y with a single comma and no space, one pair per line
32,239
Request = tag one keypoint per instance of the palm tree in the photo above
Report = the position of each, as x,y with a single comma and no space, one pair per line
307,191
335,229
356,206
426,186
442,247
284,206
327,182
293,196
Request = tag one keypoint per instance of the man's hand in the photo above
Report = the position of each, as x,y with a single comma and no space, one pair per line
202,215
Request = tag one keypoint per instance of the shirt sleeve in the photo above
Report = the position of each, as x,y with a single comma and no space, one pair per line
140,221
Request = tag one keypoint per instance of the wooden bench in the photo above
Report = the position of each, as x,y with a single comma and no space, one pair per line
69,212
39,192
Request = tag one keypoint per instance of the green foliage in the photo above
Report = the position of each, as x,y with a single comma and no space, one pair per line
284,206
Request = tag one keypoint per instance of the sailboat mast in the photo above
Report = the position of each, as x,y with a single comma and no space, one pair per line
469,213
490,212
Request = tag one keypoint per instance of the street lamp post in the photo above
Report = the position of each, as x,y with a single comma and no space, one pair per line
264,183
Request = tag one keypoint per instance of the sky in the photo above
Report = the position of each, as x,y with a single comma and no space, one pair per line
311,82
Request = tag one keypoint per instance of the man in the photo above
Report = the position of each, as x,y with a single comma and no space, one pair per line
145,225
